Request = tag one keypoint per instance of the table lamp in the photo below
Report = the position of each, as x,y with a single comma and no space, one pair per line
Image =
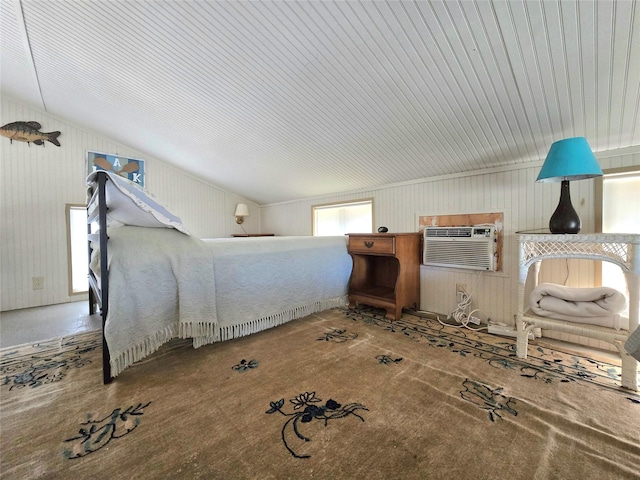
568,159
242,210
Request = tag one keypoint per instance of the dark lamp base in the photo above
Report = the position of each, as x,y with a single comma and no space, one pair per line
565,219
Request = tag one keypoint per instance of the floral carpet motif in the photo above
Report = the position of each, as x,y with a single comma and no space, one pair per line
490,399
315,397
96,434
337,336
542,363
245,365
305,410
45,362
387,359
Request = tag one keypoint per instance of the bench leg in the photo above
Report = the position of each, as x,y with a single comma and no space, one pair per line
523,330
629,368
522,336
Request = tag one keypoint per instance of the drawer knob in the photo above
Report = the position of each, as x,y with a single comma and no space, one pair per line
368,244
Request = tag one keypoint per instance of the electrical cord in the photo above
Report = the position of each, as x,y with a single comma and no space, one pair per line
461,316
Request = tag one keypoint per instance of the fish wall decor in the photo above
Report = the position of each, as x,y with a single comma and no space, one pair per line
28,132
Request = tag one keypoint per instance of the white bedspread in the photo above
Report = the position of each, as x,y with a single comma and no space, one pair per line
164,284
594,306
265,281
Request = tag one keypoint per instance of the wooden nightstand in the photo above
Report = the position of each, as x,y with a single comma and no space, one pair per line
386,271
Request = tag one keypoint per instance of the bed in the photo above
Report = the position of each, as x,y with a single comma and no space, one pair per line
154,282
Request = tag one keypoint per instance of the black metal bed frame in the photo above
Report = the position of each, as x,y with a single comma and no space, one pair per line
99,293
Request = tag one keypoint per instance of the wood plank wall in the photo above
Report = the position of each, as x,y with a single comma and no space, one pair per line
37,182
527,205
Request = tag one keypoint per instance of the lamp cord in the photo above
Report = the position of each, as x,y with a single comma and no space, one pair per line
461,316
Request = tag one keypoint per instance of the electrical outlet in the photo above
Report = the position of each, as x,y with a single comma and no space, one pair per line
38,283
461,291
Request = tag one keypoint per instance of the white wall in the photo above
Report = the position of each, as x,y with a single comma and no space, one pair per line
36,182
526,205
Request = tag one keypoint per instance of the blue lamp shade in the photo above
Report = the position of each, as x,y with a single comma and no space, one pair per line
568,159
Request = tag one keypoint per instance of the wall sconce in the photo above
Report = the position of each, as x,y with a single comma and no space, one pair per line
242,210
568,159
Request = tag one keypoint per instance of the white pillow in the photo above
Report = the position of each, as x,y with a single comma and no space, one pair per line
130,205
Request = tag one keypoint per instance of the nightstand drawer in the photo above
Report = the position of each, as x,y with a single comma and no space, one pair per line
372,245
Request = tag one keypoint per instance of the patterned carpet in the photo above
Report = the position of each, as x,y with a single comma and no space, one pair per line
37,364
342,394
543,362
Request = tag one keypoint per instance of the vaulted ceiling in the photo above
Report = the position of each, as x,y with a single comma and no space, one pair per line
282,100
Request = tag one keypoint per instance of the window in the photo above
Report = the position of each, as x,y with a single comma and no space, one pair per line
342,218
618,194
621,202
78,249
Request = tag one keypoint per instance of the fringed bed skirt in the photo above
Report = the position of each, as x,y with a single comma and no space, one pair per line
140,351
264,323
204,333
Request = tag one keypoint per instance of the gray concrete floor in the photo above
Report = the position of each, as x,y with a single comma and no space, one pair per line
29,325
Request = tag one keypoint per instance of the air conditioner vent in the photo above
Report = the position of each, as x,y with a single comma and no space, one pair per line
448,232
461,247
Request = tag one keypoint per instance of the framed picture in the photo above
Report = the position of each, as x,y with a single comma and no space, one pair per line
129,168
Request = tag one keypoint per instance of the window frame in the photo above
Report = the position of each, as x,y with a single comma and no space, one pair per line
599,191
342,203
68,208
599,205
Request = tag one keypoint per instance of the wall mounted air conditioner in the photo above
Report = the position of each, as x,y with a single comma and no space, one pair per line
461,247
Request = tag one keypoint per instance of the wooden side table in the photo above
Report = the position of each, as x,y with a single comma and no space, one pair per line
386,271
622,250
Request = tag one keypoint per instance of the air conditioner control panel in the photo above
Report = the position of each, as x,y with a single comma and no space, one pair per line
483,231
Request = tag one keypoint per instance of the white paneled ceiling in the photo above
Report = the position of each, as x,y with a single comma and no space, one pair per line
282,100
